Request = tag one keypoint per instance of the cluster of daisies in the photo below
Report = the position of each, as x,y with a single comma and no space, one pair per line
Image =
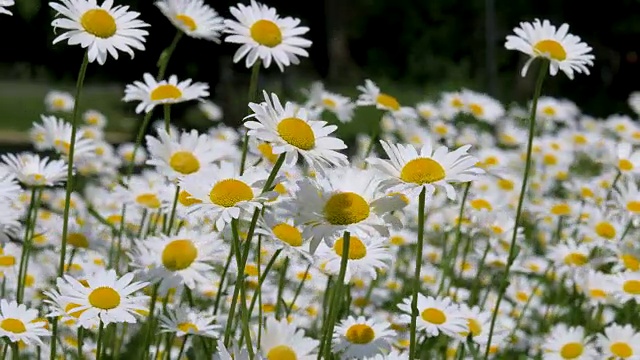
270,242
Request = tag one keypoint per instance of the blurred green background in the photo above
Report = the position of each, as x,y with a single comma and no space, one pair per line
412,49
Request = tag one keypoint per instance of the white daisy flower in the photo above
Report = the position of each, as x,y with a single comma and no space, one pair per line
31,170
265,35
4,4
178,155
565,51
408,170
281,233
329,205
360,337
370,94
619,342
20,324
184,321
436,315
482,107
103,30
152,92
186,258
634,101
59,101
105,297
94,118
235,354
290,131
210,110
125,152
55,133
281,340
568,343
222,194
340,105
194,18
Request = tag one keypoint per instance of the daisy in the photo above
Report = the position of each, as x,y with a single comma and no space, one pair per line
235,354
568,343
428,111
5,3
210,110
366,256
94,118
186,258
436,315
565,51
59,101
185,321
482,107
628,160
370,94
20,324
146,192
360,337
290,131
105,297
339,105
125,151
409,172
634,101
31,170
194,18
265,35
283,234
329,205
222,194
176,156
598,287
281,340
56,135
103,30
152,92
627,286
619,342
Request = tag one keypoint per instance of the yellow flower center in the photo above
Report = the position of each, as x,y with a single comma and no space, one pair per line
397,240
606,230
185,198
148,200
229,192
576,259
357,249
631,262
187,327
476,110
346,208
62,146
114,219
625,165
571,350
184,162
29,280
281,352
329,103
267,151
165,92
7,260
422,171
266,32
297,132
481,204
58,103
621,349
549,110
550,159
434,316
505,184
69,310
388,102
99,22
251,270
631,287
78,240
561,209
187,21
474,327
579,139
179,254
360,334
522,296
551,48
597,293
15,326
104,298
633,206
288,234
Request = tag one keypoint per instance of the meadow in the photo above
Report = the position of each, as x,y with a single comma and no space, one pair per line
371,221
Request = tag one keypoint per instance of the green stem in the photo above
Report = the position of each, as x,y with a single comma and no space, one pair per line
26,245
274,172
167,117
416,278
532,127
173,210
99,341
335,300
241,259
251,97
15,351
263,277
80,341
184,344
163,61
216,304
150,320
450,268
120,232
374,136
281,283
298,290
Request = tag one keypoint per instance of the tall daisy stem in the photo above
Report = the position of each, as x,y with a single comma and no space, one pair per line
527,167
99,341
167,117
67,196
334,305
416,280
253,87
32,216
241,262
